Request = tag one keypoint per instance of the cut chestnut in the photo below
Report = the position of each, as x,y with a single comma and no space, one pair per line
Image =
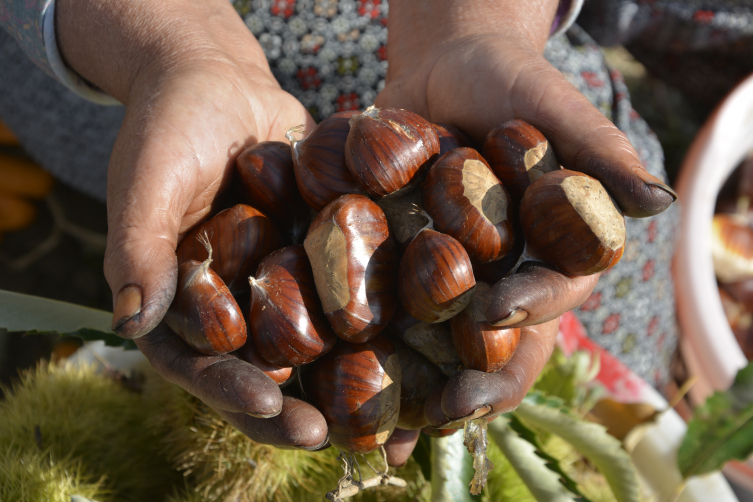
570,221
436,277
204,313
480,345
388,149
268,178
287,324
248,353
357,389
240,237
518,154
319,160
419,377
354,260
469,203
732,247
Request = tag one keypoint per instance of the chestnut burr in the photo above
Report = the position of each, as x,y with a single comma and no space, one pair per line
286,321
268,178
204,313
388,149
319,161
480,345
570,221
357,389
354,260
469,203
436,280
240,237
518,155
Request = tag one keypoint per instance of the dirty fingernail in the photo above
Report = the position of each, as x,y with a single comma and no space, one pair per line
654,182
514,317
127,305
484,410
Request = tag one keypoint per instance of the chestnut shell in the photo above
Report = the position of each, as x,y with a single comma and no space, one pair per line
419,377
450,138
355,261
280,376
469,203
357,389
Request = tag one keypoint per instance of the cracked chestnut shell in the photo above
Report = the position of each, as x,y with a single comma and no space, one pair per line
570,221
480,345
240,237
469,203
354,260
436,280
388,149
268,178
286,321
319,161
357,389
518,155
204,313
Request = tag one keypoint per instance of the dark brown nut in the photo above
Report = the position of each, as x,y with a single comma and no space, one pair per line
405,215
469,203
354,260
357,389
281,376
419,376
388,149
570,221
480,345
268,178
286,323
450,138
518,154
319,160
240,237
732,247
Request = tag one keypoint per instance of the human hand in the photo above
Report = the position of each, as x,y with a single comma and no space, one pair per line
475,65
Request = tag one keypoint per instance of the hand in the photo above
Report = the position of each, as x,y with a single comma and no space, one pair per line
476,64
198,90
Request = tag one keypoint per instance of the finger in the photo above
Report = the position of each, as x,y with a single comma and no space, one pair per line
535,294
223,382
400,445
472,394
299,425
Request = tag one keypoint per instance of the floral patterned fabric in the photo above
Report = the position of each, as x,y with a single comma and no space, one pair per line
23,20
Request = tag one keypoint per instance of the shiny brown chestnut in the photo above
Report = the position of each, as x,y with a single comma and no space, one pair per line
419,377
469,203
354,260
570,221
280,376
319,161
518,155
432,340
436,277
480,345
286,321
240,237
357,389
268,178
204,313
388,149
450,138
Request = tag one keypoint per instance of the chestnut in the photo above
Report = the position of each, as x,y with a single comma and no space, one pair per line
518,154
286,321
419,377
354,260
469,203
388,149
405,215
732,247
480,345
436,277
319,161
450,138
240,236
570,221
204,313
280,376
740,322
357,389
268,178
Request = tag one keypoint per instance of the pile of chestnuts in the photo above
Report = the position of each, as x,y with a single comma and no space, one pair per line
364,257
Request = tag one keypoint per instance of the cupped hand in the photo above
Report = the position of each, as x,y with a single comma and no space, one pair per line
475,64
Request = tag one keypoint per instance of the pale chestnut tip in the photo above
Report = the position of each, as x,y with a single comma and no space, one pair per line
514,317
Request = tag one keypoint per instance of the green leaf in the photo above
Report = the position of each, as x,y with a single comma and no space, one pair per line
35,315
721,429
592,441
451,470
537,398
568,377
544,484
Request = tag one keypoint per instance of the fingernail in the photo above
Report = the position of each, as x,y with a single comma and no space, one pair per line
476,414
514,317
127,305
653,181
321,446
